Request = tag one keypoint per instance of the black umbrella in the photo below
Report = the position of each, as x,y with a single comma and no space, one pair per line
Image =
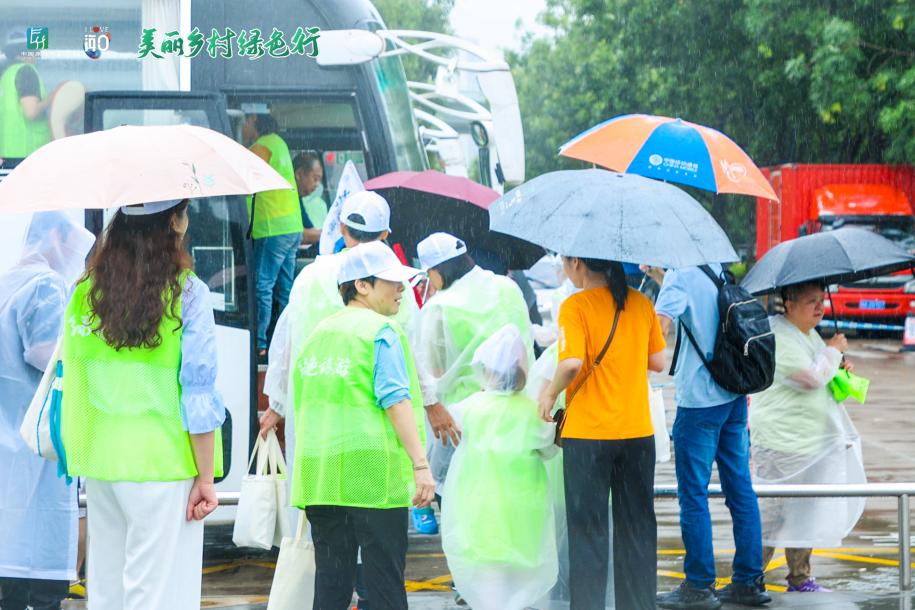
842,255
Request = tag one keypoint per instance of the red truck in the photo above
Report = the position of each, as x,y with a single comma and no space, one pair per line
824,197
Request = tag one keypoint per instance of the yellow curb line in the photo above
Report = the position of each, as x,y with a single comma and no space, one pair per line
424,585
858,558
775,563
853,549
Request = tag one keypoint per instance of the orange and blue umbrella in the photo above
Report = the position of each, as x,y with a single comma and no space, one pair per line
672,150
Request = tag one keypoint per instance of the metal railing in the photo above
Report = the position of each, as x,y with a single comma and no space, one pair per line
901,491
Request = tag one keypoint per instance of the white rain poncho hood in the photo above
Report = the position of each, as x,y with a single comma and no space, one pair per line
501,362
37,509
457,320
498,526
801,435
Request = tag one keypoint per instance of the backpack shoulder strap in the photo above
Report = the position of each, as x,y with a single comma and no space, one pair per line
692,339
707,270
597,361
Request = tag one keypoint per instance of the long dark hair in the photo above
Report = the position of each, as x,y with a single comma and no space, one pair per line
135,278
454,269
616,278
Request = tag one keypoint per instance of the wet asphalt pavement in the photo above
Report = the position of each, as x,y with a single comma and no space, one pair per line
863,574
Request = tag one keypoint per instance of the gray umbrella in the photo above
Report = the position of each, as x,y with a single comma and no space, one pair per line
595,213
843,255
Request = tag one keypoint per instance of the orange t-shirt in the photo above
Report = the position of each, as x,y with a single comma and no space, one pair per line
613,402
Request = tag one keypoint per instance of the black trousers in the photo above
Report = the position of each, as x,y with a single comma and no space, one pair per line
593,470
338,533
19,593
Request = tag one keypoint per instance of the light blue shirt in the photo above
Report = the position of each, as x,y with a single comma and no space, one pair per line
202,408
391,382
689,296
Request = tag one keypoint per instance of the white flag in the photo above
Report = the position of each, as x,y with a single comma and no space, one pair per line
350,183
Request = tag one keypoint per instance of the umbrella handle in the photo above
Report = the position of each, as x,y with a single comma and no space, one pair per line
835,321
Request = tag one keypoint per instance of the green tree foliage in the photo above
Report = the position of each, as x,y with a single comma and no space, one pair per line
815,81
424,15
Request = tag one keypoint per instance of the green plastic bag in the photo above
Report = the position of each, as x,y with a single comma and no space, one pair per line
846,384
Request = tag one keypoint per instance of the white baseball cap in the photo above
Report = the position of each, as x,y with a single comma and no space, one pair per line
438,248
374,259
153,207
372,207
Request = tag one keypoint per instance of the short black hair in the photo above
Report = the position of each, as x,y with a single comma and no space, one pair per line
265,124
306,161
348,289
363,237
794,291
454,269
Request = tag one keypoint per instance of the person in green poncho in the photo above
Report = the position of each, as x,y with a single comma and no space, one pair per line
801,435
469,305
498,527
360,459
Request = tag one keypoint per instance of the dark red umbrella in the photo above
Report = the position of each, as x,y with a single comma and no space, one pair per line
423,203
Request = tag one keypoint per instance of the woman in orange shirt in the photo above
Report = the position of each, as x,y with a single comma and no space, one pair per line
608,443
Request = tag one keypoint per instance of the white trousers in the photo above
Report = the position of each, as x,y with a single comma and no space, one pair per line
143,554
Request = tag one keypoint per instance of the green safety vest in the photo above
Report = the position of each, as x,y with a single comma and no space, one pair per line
19,136
121,411
347,452
277,212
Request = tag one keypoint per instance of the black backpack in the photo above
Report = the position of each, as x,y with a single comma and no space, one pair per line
743,361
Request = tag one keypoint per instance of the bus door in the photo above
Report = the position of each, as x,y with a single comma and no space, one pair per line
217,243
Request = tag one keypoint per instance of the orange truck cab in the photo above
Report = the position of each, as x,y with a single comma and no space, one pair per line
815,198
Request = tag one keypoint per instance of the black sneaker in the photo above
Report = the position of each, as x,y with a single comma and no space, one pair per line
688,597
752,594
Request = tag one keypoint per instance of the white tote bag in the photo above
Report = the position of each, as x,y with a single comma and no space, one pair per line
659,421
36,425
294,579
259,501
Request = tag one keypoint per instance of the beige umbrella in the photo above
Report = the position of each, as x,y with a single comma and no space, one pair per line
128,165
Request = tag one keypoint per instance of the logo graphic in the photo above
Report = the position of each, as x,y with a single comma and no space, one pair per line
734,171
95,40
656,159
36,39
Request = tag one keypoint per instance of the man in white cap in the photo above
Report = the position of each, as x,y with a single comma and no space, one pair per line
365,218
360,461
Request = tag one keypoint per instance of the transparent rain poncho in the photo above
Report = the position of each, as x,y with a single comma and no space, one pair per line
801,435
37,509
456,321
452,325
498,527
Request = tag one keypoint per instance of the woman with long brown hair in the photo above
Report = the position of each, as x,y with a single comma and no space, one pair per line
140,410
